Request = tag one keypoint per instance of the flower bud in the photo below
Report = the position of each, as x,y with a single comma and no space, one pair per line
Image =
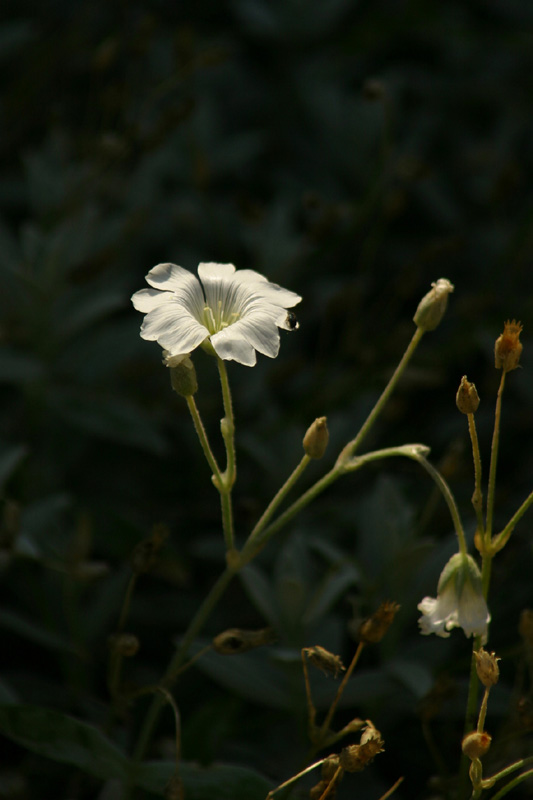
375,627
431,308
316,439
235,640
322,659
182,375
487,668
475,744
508,347
467,398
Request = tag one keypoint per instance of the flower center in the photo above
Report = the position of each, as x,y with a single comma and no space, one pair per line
218,318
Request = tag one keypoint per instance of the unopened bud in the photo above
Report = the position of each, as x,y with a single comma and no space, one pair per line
316,439
145,553
475,744
487,668
182,375
235,640
467,398
124,644
322,659
375,627
508,347
432,307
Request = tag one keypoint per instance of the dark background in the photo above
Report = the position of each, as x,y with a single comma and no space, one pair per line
352,152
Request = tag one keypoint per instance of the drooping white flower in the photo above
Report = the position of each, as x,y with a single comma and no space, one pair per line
235,311
459,602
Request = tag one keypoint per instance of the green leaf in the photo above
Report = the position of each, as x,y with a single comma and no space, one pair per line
34,633
9,461
222,781
62,738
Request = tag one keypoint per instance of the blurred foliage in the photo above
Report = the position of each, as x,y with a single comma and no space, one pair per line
353,151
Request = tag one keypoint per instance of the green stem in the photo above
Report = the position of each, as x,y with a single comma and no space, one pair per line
228,477
494,461
194,628
470,716
501,539
477,497
511,785
483,712
202,436
352,446
448,496
346,677
277,499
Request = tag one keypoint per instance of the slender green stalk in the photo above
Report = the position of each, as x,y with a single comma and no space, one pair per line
483,712
228,477
470,716
178,658
494,461
511,785
448,496
477,497
277,499
352,446
202,436
501,539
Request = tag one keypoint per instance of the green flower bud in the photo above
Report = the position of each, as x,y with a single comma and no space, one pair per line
431,308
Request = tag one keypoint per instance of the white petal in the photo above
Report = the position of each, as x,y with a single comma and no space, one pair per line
269,291
473,612
173,327
259,330
172,278
147,299
233,347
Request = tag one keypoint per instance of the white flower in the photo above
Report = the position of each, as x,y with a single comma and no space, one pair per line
459,603
236,311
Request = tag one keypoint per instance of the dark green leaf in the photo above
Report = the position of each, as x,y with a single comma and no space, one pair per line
220,781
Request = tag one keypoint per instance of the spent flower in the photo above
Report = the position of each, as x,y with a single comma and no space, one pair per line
231,312
459,603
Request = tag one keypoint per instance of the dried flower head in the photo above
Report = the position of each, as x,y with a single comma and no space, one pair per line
375,627
487,668
322,659
124,644
508,347
316,438
356,757
467,398
235,640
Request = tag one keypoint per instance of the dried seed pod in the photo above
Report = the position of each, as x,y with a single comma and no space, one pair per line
329,663
467,398
356,757
487,668
475,744
375,627
235,641
124,644
508,347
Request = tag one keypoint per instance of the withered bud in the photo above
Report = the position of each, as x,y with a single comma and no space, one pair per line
508,347
182,374
144,554
487,668
124,644
432,307
319,657
356,757
375,627
316,439
467,398
525,626
235,641
475,744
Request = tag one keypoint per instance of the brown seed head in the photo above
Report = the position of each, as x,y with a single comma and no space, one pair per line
322,659
375,627
475,744
356,757
508,347
487,668
235,641
467,398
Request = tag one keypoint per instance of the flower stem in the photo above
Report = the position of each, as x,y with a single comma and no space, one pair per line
227,479
501,539
277,499
494,461
511,785
448,496
202,436
346,677
352,446
477,497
